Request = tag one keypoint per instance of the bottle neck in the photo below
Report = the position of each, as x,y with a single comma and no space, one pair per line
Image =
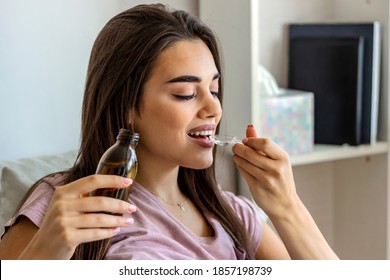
128,137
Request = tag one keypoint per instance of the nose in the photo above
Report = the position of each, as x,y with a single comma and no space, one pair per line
210,106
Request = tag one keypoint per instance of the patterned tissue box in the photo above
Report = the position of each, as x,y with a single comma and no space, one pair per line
288,119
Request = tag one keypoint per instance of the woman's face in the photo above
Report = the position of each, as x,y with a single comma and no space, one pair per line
180,107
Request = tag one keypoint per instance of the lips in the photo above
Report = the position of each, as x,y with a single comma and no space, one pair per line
201,135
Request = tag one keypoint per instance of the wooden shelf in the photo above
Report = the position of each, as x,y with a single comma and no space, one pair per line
324,153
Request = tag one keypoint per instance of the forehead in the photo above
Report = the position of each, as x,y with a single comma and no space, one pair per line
185,57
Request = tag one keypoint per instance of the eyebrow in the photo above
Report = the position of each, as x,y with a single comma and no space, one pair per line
190,79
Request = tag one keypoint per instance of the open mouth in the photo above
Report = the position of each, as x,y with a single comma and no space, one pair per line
201,134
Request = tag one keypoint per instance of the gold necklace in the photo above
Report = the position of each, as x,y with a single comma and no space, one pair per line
180,203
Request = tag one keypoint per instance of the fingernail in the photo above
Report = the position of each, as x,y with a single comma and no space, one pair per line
244,141
117,230
132,208
127,181
129,221
250,125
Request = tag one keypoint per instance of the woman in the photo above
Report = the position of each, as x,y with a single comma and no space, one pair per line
158,72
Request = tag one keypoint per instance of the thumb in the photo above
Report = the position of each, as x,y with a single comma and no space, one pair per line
251,131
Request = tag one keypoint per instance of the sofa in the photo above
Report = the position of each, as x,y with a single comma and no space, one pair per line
16,177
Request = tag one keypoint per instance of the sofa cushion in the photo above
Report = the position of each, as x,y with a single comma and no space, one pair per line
17,176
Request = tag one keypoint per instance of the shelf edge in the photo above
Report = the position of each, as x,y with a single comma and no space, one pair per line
324,153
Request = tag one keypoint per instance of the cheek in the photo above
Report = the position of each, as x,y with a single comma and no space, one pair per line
166,118
160,123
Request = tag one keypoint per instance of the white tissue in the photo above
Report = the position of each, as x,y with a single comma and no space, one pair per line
267,82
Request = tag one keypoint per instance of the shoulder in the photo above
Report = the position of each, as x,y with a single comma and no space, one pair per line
44,189
37,201
247,212
52,182
241,204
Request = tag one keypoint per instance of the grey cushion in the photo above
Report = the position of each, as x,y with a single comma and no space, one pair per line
17,176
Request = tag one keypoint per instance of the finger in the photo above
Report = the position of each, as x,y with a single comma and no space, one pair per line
251,131
267,147
252,172
100,220
89,235
257,192
99,204
94,182
252,156
249,179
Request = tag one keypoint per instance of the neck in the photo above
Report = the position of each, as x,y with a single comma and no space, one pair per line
160,179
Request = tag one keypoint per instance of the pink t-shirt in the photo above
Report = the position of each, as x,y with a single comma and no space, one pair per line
156,234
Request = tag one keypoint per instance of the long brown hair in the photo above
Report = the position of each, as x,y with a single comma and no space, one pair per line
121,59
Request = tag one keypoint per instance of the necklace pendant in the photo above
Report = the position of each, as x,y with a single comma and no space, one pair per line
181,206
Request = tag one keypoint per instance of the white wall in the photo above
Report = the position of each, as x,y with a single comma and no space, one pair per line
273,29
44,51
273,45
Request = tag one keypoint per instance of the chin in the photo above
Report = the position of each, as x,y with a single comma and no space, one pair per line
199,165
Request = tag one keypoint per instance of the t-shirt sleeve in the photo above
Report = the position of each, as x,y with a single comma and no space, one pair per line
36,205
249,215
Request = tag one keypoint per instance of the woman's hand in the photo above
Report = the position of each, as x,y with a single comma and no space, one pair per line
73,217
267,170
268,173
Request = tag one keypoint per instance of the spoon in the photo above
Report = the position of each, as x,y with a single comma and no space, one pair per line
224,140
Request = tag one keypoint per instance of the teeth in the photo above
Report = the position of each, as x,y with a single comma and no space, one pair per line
202,133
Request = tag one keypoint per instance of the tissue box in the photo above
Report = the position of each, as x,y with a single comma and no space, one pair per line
288,119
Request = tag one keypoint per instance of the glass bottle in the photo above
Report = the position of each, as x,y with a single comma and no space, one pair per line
120,159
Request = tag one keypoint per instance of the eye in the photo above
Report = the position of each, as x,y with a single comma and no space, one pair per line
215,93
184,97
